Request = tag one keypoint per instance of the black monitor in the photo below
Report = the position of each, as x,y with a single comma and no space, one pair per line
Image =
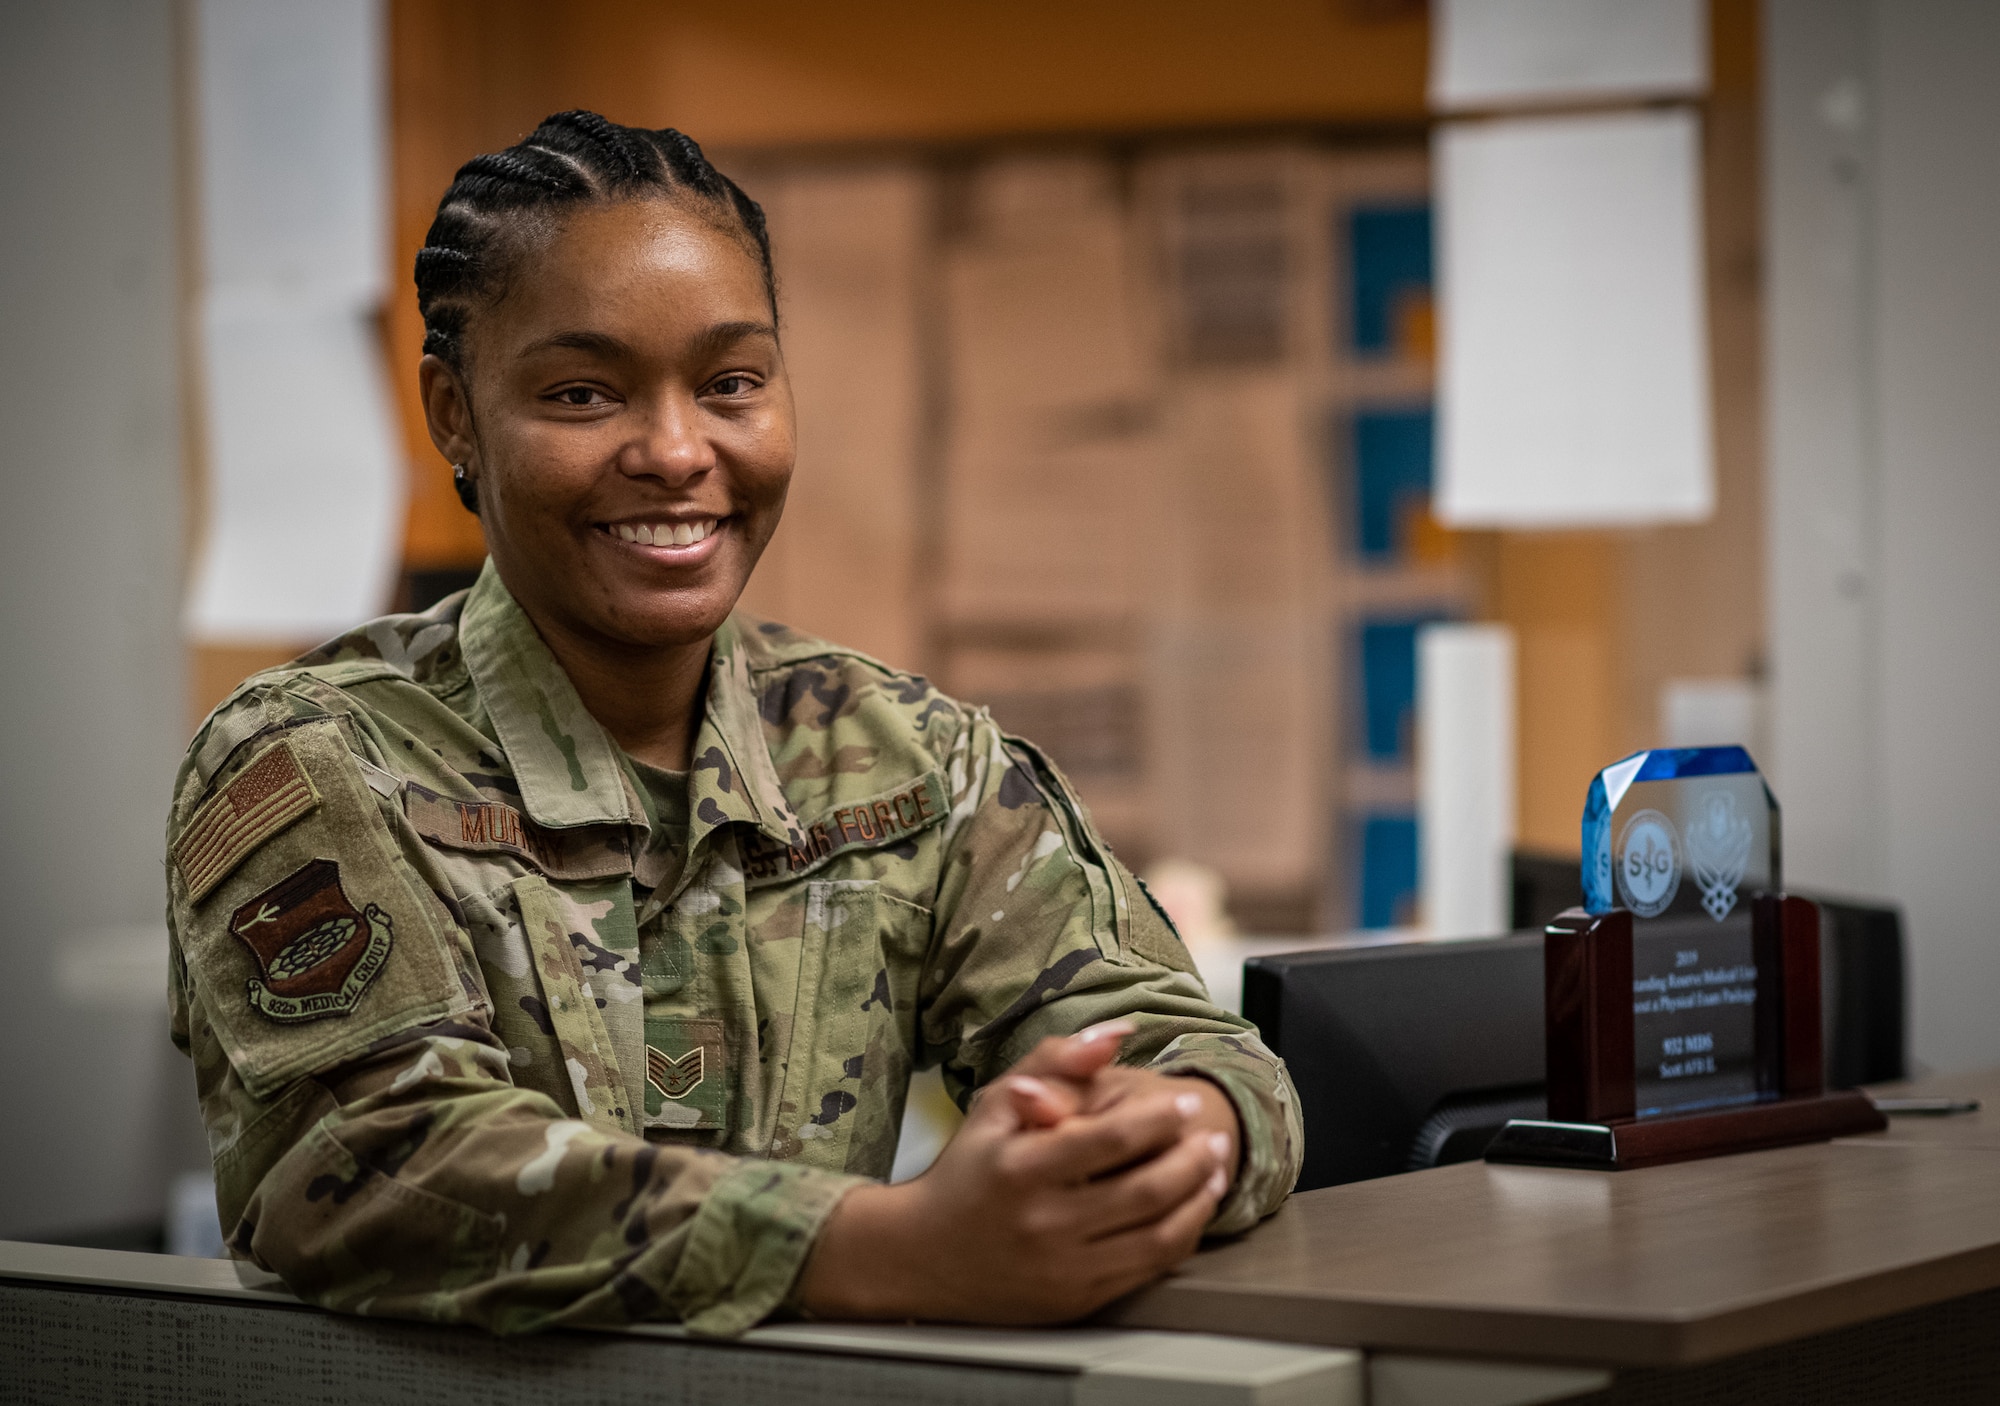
1413,1054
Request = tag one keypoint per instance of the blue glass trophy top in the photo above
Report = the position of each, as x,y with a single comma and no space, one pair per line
1683,838
1679,830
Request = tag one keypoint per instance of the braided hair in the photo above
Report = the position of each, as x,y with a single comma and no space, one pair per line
573,158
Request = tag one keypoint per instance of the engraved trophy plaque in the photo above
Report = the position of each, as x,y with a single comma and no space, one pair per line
1683,998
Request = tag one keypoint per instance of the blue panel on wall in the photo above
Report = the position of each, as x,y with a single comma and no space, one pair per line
1392,468
1388,870
1390,249
1389,686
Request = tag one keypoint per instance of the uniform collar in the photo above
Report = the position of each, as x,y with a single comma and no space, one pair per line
733,778
567,765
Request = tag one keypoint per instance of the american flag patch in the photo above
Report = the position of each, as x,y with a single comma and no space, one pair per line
265,797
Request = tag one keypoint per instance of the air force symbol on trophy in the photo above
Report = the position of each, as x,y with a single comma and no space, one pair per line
1718,851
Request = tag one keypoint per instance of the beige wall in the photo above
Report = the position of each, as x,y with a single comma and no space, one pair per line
473,75
99,1105
933,399
1885,477
845,562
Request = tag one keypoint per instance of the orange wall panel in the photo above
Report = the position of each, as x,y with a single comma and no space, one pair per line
473,75
1604,618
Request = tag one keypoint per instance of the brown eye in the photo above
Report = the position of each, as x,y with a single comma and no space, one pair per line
577,395
731,385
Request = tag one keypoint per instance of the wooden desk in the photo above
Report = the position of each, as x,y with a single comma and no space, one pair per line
1972,1131
1857,1271
1659,1267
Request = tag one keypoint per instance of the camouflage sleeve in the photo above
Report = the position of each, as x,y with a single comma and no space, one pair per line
1040,931
378,1155
415,1181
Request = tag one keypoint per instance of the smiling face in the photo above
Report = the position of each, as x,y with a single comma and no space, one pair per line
625,414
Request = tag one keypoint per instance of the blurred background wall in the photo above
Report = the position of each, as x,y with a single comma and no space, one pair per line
1114,331
1884,296
97,1104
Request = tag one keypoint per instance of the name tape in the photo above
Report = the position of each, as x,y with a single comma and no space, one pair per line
493,827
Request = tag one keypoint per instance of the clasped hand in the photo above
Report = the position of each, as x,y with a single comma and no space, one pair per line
1072,1181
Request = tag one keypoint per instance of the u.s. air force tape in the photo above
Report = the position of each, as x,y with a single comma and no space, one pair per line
886,819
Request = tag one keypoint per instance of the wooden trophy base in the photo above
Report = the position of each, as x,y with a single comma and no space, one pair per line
1587,990
1624,1143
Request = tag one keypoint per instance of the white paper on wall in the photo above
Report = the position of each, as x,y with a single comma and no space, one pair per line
1712,713
1573,358
305,482
1465,777
305,488
292,128
1495,52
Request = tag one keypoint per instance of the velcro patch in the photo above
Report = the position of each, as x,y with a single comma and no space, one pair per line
265,797
493,827
316,953
674,1078
681,1052
886,819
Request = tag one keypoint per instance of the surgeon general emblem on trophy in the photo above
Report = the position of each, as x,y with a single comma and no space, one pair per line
316,952
1718,851
1649,863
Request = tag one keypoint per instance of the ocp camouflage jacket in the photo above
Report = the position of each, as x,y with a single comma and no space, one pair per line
475,1042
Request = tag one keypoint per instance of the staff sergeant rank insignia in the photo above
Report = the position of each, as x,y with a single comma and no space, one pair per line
674,1078
317,954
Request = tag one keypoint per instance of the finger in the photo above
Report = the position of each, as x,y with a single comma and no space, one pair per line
1178,1234
1039,1104
1145,1193
1045,1060
1091,1144
1143,1253
1105,1038
989,1115
1078,1056
1116,1084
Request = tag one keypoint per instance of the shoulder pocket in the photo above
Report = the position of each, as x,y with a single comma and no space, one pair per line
1110,903
304,932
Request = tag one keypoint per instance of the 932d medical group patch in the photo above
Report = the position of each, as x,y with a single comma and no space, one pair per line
317,953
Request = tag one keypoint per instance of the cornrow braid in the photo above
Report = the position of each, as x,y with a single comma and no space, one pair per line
618,143
573,158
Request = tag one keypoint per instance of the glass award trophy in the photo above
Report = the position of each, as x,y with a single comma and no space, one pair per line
1683,998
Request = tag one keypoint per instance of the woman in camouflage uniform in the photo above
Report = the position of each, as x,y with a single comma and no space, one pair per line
561,954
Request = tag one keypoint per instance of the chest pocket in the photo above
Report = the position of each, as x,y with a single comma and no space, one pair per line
841,979
597,1078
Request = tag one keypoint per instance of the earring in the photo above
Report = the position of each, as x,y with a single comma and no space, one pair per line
467,489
